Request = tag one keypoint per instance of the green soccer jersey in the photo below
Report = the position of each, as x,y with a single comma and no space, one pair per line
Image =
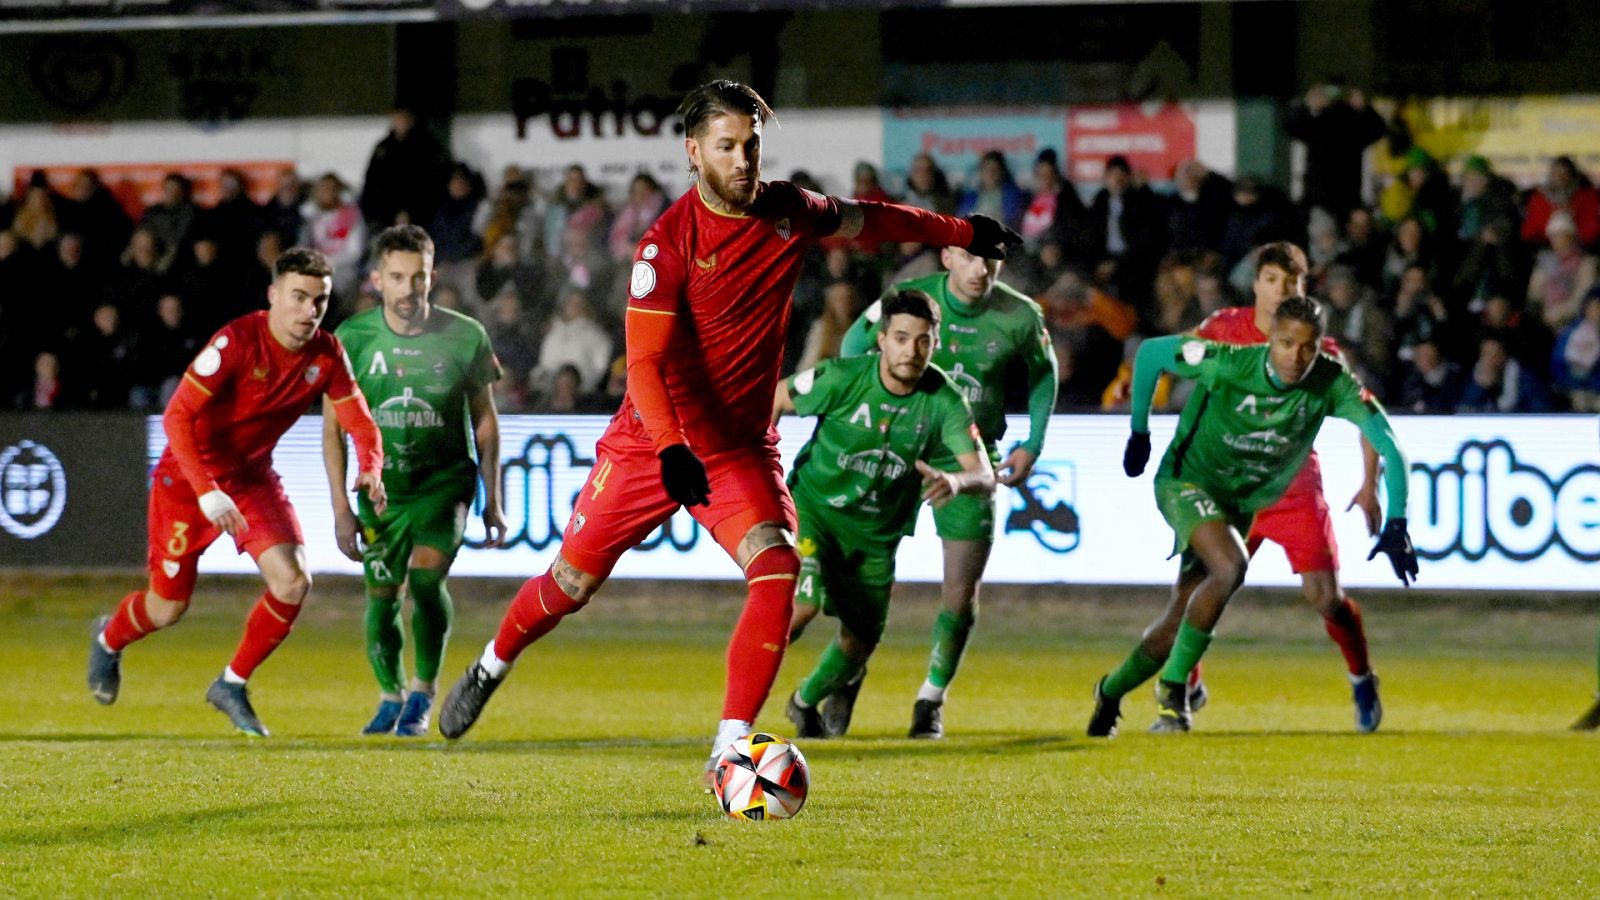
418,387
861,460
1244,437
977,345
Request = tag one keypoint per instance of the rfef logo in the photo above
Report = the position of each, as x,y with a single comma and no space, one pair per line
33,489
1487,500
1045,508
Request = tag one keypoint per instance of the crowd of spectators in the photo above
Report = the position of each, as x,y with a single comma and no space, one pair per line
1448,294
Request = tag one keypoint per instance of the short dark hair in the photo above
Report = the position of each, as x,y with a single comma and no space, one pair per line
1300,308
1283,254
402,239
910,303
720,98
302,261
1119,162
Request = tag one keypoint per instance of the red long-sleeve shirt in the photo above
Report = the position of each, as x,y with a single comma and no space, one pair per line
244,390
708,307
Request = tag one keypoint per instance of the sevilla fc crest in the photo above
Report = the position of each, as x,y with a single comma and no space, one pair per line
782,228
312,371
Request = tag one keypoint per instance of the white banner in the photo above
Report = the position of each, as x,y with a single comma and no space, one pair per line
1496,503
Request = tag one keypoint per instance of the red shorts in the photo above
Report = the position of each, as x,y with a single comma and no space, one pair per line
1299,523
623,501
180,532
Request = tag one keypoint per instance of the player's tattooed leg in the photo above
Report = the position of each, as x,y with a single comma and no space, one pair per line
573,581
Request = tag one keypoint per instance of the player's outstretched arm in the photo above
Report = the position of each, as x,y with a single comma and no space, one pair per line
892,222
346,528
976,477
486,436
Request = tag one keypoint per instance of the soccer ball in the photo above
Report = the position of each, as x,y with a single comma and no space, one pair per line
761,776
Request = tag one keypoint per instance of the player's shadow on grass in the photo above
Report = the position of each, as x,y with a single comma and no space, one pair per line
125,828
90,737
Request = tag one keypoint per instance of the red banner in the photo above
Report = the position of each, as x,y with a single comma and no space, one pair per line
138,185
1153,139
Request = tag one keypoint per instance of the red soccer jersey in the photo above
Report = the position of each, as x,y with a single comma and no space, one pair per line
1237,325
250,390
729,280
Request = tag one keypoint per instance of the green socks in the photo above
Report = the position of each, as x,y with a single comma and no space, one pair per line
1190,645
431,615
950,634
384,641
834,670
1134,671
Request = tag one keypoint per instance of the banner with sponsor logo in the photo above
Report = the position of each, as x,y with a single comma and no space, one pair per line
1498,503
69,493
1153,137
1518,135
614,143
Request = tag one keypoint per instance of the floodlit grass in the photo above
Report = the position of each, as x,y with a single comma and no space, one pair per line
582,776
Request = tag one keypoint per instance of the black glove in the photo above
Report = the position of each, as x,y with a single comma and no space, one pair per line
1136,454
990,239
1395,543
684,476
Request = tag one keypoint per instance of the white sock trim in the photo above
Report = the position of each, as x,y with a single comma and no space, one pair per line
728,731
931,691
232,677
495,666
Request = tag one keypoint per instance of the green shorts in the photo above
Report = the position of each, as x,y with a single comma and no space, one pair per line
436,520
846,577
1186,506
967,517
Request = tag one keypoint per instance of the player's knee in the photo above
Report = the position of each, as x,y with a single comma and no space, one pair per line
577,584
164,613
857,648
775,560
764,540
1230,572
291,588
1324,596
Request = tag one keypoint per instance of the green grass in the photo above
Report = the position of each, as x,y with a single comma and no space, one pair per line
581,778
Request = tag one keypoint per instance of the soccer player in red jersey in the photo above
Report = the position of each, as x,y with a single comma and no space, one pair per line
254,378
1300,522
708,310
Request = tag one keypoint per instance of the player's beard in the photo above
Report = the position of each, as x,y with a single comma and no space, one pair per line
906,373
735,197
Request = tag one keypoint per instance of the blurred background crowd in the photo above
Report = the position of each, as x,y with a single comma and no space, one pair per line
1450,288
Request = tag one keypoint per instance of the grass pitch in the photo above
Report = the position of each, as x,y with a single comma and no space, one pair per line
582,776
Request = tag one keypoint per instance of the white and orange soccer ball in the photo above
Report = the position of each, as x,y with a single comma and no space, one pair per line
761,776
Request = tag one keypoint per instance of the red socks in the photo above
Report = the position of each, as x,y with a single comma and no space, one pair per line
537,609
268,625
756,649
129,623
1344,626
